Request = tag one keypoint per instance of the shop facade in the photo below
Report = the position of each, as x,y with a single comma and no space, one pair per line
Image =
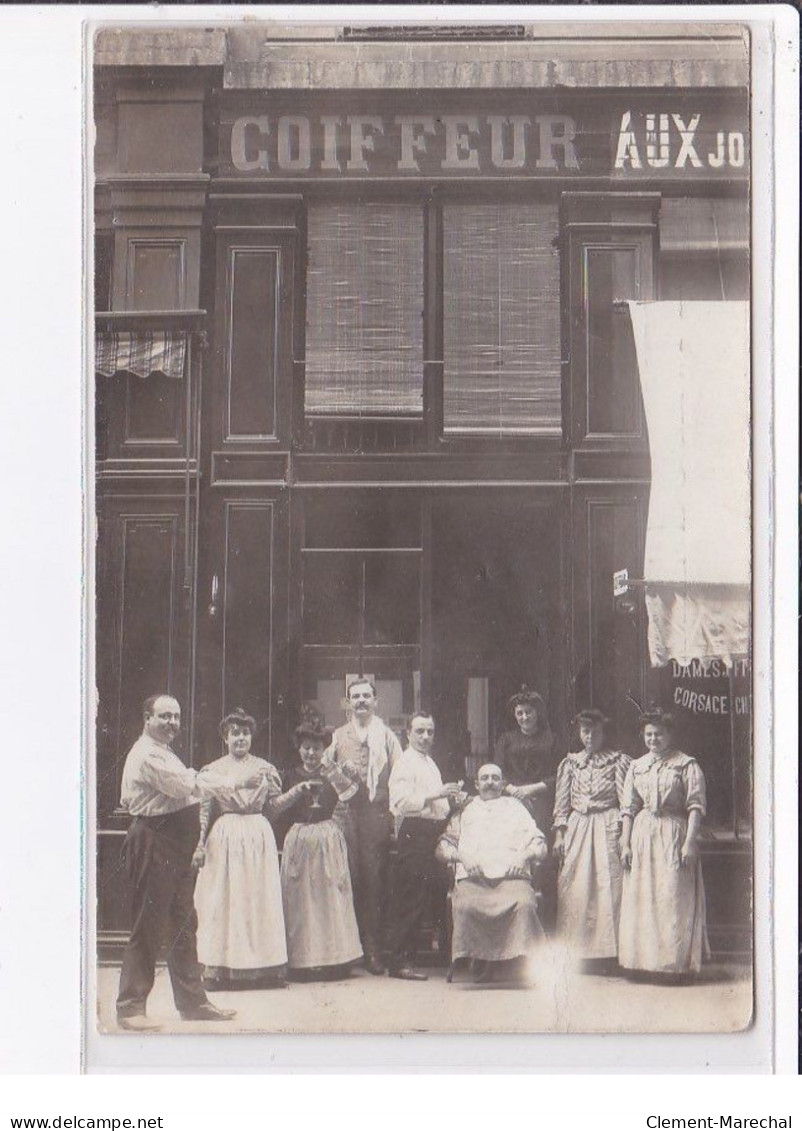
367,395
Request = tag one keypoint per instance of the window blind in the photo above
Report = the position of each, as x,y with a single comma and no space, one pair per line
703,224
364,302
501,328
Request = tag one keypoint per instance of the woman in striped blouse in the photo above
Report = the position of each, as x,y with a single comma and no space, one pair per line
587,823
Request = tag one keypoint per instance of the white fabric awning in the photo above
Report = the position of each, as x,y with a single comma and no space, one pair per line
694,368
141,352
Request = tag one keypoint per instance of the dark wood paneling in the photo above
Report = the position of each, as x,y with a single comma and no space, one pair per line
608,643
143,624
112,890
242,618
156,274
154,409
247,609
612,274
611,466
251,383
536,466
609,242
249,468
252,344
727,871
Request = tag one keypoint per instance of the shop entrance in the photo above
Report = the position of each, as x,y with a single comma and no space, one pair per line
496,620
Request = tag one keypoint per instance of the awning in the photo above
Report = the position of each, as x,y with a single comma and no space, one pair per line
141,352
694,368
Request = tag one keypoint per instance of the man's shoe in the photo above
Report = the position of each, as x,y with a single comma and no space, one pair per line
374,965
208,1012
408,974
139,1023
483,971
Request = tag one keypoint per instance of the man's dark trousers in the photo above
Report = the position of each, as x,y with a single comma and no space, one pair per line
418,885
158,865
367,829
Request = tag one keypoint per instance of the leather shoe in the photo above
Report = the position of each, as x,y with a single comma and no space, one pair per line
408,974
208,1012
374,965
483,971
139,1023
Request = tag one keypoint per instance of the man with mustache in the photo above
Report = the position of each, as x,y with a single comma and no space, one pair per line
162,796
493,844
367,750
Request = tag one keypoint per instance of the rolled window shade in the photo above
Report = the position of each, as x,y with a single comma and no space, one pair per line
706,224
501,301
364,332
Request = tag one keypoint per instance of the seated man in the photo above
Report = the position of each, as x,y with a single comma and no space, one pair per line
493,842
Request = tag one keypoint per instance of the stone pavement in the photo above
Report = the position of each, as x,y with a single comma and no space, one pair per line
561,1001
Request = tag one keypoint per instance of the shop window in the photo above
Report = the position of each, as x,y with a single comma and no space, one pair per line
361,598
362,582
364,309
704,249
501,319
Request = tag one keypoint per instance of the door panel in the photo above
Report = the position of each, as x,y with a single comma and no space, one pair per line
242,618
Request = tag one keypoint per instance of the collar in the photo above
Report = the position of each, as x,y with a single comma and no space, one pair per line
600,758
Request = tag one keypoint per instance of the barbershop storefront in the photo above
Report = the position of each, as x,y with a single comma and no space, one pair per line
368,395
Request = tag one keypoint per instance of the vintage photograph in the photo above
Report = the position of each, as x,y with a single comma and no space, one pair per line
422,546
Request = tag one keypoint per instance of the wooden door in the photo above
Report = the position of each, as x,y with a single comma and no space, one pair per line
242,656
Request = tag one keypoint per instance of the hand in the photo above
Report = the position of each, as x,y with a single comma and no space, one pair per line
518,792
326,763
451,790
559,845
301,787
625,854
689,854
199,857
474,872
255,779
517,872
350,770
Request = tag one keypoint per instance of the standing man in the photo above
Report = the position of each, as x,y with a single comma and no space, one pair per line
367,751
420,801
162,795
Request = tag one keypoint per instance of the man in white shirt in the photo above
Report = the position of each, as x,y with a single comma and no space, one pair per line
421,805
161,794
493,843
366,750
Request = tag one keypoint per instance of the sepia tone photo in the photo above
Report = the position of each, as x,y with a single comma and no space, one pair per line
423,547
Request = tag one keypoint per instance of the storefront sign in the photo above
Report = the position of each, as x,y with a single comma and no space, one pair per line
365,143
676,141
706,689
531,136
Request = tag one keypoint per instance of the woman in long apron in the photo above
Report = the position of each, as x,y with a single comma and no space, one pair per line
587,825
662,929
241,939
322,932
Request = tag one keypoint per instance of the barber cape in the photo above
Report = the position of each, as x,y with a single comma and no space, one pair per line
497,835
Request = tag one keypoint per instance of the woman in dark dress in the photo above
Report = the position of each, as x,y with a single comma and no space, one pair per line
527,759
322,933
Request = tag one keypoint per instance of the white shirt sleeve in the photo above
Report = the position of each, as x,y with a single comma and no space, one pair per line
407,796
167,774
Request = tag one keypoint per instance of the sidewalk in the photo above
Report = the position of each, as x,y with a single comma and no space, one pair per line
561,1002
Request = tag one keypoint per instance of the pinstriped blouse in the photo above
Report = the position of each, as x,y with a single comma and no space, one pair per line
589,783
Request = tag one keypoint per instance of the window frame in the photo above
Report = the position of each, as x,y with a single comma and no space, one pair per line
326,435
